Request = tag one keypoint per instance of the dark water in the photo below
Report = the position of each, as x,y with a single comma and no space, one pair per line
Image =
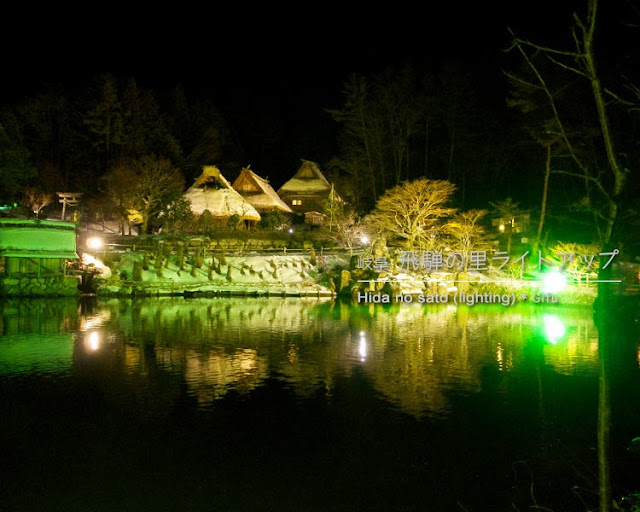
288,404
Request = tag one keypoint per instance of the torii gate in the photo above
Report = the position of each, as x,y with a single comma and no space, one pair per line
68,198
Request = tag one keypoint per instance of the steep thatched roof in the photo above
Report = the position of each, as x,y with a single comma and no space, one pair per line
258,192
211,191
308,180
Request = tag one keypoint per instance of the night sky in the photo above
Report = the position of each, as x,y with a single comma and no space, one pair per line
282,65
266,52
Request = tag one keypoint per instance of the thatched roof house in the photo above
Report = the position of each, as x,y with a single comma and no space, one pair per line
258,192
308,190
211,191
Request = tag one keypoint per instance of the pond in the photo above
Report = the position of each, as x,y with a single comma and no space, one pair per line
304,404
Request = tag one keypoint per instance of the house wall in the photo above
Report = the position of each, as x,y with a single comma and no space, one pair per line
35,277
310,203
34,266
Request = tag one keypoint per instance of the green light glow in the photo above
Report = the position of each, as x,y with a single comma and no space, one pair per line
553,282
553,328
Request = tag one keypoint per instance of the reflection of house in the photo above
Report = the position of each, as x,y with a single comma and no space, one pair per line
308,190
33,257
211,191
258,192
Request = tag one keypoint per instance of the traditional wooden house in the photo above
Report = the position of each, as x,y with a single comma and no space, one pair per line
33,257
308,190
258,192
211,191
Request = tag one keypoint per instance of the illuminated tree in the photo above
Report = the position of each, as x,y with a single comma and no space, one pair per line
467,232
348,230
35,199
410,211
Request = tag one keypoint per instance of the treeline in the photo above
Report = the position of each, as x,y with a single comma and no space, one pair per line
399,125
61,142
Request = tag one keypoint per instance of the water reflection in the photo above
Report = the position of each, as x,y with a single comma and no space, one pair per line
37,336
436,384
416,357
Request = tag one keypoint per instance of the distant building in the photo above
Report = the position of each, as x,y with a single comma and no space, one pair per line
211,191
314,218
258,192
308,190
34,255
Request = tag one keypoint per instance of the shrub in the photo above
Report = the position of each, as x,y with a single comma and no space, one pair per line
137,271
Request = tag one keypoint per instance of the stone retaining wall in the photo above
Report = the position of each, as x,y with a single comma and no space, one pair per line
33,286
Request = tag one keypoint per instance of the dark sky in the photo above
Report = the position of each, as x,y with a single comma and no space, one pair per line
285,64
264,51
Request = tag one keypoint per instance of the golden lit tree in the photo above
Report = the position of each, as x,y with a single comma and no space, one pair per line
411,211
467,232
35,199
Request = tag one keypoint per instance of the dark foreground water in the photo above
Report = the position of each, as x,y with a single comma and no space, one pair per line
289,404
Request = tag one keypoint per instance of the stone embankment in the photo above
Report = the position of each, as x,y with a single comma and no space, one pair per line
58,286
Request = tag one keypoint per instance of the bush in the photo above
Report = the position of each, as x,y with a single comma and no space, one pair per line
234,221
137,271
275,220
205,223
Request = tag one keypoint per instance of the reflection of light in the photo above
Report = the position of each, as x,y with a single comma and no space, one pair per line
92,322
553,328
501,228
290,230
553,282
364,239
95,243
362,346
93,341
499,356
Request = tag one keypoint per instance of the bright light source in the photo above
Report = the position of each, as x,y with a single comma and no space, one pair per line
554,282
364,239
290,230
95,243
93,342
501,228
553,328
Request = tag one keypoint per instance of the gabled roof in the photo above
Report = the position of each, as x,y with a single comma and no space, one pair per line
211,191
308,179
258,192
